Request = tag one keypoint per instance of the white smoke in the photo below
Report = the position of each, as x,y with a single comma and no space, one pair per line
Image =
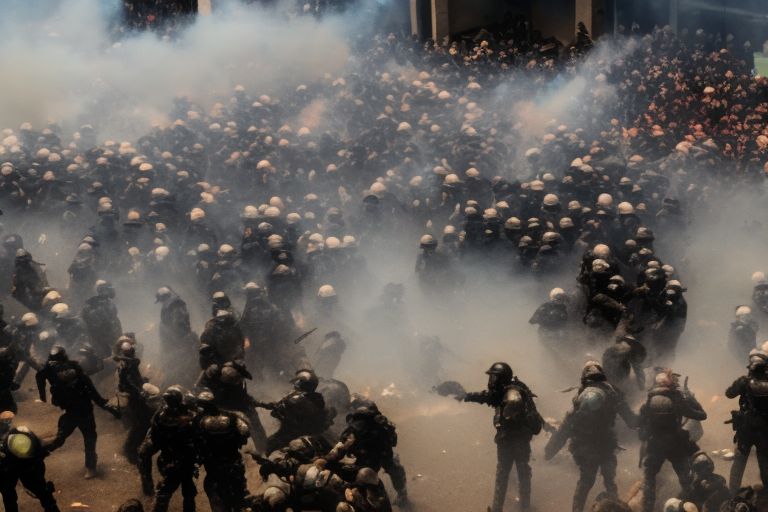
66,67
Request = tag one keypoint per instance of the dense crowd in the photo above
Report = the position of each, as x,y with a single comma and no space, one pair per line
448,150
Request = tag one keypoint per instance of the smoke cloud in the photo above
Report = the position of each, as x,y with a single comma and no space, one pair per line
67,68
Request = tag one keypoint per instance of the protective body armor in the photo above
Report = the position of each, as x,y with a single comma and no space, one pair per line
223,434
173,435
758,396
302,412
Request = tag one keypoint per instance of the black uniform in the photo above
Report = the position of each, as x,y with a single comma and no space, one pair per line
8,364
172,433
750,422
24,337
590,428
664,438
175,330
222,434
72,391
102,323
29,281
301,413
71,332
742,337
709,490
516,421
371,438
626,355
224,336
760,296
227,383
139,413
177,340
552,319
28,467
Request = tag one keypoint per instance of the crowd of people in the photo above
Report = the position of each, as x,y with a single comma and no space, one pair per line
268,222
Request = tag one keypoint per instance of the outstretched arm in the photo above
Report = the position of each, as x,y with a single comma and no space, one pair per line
479,397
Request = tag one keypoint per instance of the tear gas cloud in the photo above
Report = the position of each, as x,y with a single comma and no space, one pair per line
67,68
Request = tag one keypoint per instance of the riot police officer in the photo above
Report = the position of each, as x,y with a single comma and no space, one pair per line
72,391
221,435
172,433
130,384
516,421
626,355
175,330
371,438
227,384
663,436
99,315
742,337
29,281
709,490
22,459
301,413
224,336
750,422
8,365
590,428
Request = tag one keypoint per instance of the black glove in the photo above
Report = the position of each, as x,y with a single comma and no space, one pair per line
113,410
265,469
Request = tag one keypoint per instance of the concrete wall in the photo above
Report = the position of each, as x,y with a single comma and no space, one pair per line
555,18
468,15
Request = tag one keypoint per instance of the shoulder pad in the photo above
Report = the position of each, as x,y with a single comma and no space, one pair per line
218,423
513,394
242,427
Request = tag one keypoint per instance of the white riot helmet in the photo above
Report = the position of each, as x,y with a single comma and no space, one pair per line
557,294
626,208
605,200
29,319
196,214
600,266
602,251
60,310
551,200
326,292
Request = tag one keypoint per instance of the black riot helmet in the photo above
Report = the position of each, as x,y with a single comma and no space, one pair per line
174,396
205,400
499,374
305,380
58,353
702,464
131,505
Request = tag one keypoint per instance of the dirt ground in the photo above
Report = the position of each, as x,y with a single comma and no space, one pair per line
447,449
